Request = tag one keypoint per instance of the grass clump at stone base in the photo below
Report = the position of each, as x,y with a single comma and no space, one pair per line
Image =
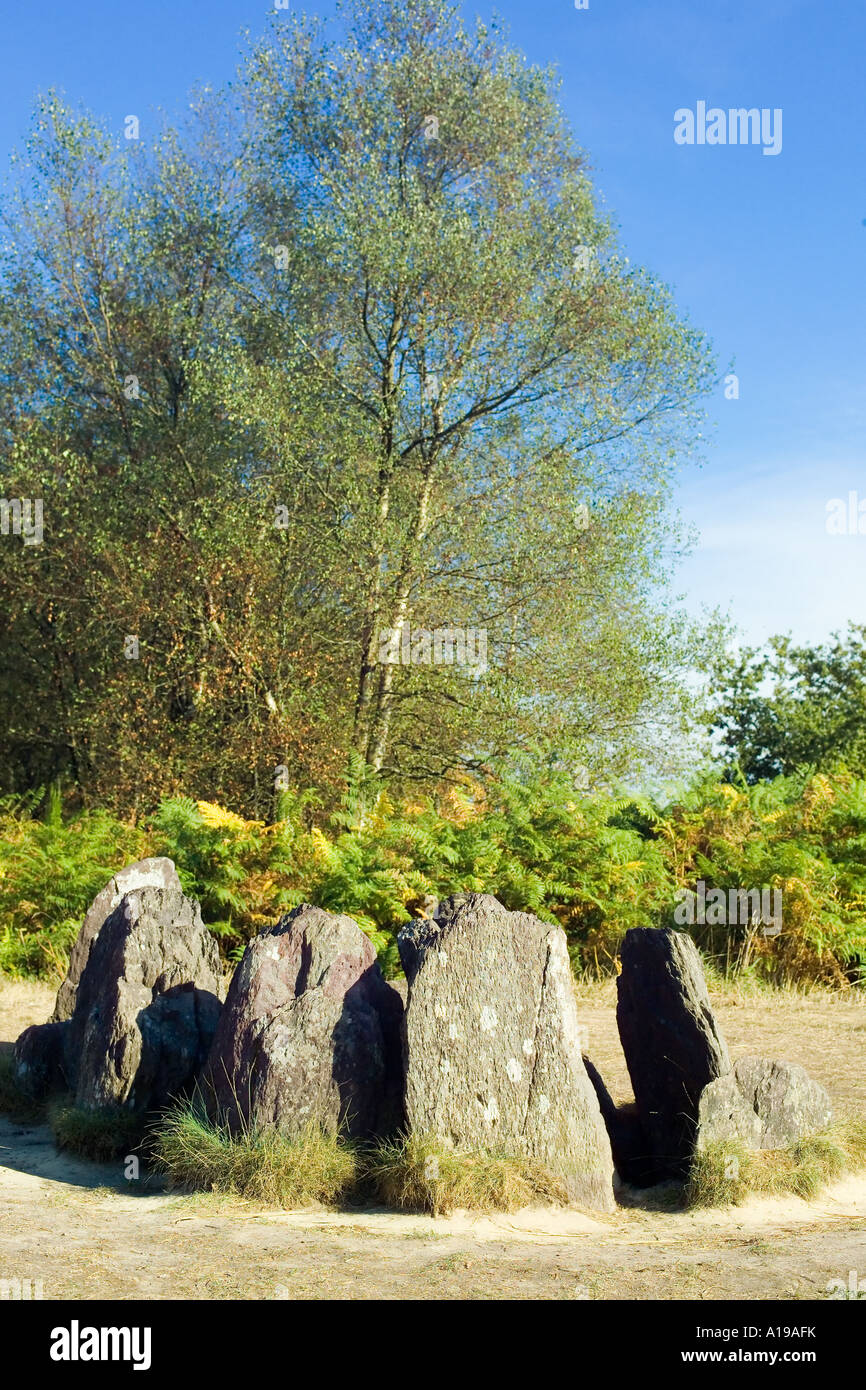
419,1173
727,1173
13,1101
103,1134
260,1164
267,1167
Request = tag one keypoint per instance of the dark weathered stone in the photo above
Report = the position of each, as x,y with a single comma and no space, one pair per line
492,1043
672,1043
628,1140
310,1032
147,873
401,987
147,1004
39,1065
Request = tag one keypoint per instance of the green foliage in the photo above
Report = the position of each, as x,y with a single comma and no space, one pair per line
790,706
432,413
598,864
50,871
805,835
213,860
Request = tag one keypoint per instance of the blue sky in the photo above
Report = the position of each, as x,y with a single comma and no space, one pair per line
766,253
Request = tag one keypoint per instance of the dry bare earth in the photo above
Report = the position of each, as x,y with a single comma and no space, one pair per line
86,1232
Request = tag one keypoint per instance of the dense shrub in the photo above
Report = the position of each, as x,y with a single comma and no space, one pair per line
50,870
596,864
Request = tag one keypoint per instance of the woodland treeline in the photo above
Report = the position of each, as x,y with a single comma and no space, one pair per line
351,351
350,356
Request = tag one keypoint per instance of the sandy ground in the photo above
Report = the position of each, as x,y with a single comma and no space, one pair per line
86,1231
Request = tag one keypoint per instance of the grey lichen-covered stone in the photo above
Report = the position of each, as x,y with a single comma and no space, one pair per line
724,1114
673,1046
310,1033
492,1051
39,1059
788,1104
764,1104
147,1004
147,873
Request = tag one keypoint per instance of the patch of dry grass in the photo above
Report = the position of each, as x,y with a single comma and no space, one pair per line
726,1173
421,1174
260,1164
14,1101
103,1134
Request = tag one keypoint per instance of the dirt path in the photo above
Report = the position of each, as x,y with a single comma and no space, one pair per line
86,1231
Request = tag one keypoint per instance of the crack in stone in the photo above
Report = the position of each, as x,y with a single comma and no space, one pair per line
536,1049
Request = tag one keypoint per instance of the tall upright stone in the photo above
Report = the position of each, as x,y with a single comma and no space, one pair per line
673,1046
147,873
310,1033
147,1004
492,1050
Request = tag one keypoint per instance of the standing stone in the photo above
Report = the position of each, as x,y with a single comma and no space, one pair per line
147,873
39,1059
147,1004
310,1032
492,1044
672,1043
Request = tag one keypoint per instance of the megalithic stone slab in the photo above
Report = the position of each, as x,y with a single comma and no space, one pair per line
672,1043
763,1103
147,873
492,1048
310,1033
39,1059
789,1104
147,1004
724,1114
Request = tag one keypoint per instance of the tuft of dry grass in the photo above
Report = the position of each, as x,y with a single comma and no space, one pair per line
101,1135
726,1173
420,1173
13,1101
267,1167
260,1164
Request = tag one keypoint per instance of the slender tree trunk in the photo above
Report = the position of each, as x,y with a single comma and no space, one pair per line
366,675
372,619
381,722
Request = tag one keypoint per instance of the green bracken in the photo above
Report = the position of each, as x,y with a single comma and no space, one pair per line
596,863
